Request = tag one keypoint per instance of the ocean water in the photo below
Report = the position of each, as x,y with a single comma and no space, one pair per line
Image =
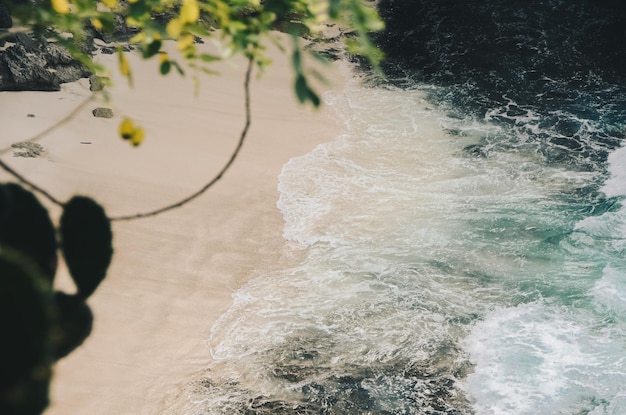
463,252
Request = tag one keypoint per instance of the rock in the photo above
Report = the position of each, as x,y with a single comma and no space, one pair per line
102,112
33,64
107,50
97,83
29,149
21,70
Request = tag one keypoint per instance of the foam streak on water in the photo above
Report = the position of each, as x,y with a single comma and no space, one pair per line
451,268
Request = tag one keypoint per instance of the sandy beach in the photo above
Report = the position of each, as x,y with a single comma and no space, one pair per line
172,275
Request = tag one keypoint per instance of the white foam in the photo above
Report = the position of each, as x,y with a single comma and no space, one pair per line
610,291
538,359
616,184
375,166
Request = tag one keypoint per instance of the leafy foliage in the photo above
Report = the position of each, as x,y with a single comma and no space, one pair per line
241,27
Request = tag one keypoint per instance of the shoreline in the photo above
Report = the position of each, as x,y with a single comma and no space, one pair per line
173,275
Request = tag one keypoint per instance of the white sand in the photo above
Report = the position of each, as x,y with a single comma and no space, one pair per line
173,275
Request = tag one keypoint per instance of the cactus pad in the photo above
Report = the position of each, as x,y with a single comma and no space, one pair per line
25,349
86,240
26,227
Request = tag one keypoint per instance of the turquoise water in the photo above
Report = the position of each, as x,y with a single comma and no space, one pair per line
453,265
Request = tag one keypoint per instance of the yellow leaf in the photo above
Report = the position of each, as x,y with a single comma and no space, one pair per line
124,64
96,23
128,131
61,6
190,12
163,57
110,3
138,38
174,27
184,42
127,128
137,138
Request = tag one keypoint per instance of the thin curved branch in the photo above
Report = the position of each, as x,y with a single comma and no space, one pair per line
30,184
215,179
155,212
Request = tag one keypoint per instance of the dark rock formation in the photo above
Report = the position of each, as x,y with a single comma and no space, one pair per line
504,42
32,64
28,63
550,71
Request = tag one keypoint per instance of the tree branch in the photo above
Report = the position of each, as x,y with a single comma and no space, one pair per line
215,179
30,184
154,212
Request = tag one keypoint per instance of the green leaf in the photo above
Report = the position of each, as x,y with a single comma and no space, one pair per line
315,99
208,58
165,67
107,22
151,49
178,68
333,8
301,88
296,59
138,10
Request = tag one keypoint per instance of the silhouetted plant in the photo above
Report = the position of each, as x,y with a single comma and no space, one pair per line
37,325
26,322
86,239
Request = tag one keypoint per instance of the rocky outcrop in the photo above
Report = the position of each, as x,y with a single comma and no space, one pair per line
28,63
449,41
31,64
